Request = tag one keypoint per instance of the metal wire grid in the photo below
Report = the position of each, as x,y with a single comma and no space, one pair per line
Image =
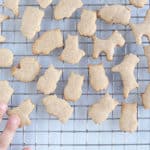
80,133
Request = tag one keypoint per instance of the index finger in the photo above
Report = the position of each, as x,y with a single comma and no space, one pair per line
9,131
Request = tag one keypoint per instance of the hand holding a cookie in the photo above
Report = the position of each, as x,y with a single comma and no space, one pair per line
10,129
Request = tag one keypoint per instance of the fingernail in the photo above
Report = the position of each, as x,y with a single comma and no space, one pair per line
14,120
3,107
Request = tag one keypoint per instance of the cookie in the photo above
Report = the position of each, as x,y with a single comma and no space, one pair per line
48,82
98,78
100,110
115,14
107,46
87,23
126,70
73,89
147,54
26,70
23,111
138,3
13,5
58,108
71,53
6,57
3,18
44,3
141,29
65,8
146,98
31,21
128,119
6,92
47,42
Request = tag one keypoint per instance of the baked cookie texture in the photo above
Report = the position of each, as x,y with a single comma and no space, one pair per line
3,18
71,53
31,21
147,54
126,70
58,107
13,5
107,46
141,29
146,97
48,82
138,3
65,8
26,70
2,39
47,42
100,110
23,111
73,89
98,78
115,14
128,119
44,3
6,57
87,24
6,92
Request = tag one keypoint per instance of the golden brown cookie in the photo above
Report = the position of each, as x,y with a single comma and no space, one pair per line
73,89
58,107
26,70
100,110
47,42
65,8
138,3
147,54
146,98
128,119
23,111
71,53
107,46
44,3
48,82
126,70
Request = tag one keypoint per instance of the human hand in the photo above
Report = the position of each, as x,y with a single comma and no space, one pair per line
10,129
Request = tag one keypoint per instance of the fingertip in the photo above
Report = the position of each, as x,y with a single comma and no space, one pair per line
13,121
27,148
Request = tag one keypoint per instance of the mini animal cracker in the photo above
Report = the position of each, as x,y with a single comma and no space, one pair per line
141,29
6,57
26,70
3,18
72,54
146,98
44,3
23,111
48,82
128,119
6,92
65,8
73,89
107,46
147,54
98,78
31,21
126,70
13,5
100,111
47,42
138,3
58,107
115,14
87,23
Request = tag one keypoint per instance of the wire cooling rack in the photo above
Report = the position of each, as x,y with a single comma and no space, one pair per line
79,133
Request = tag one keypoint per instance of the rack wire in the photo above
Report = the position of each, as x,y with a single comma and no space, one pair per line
80,133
